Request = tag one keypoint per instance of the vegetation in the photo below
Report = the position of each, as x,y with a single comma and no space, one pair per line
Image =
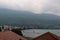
0,28
17,31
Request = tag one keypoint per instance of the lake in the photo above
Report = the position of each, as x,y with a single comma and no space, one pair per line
37,32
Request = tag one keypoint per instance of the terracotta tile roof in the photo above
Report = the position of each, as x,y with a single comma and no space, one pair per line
47,36
9,35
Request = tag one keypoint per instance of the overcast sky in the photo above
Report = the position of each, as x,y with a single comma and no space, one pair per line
36,6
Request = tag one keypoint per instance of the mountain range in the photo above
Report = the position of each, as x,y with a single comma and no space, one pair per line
26,18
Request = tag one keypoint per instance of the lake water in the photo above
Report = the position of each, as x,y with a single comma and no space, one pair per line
37,32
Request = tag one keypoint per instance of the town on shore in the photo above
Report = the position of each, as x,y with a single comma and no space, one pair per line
14,33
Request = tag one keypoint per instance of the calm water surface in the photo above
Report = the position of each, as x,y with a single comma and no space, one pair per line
37,32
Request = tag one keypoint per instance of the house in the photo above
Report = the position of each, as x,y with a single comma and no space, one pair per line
9,35
47,36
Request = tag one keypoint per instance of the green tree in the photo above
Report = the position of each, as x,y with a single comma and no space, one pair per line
17,31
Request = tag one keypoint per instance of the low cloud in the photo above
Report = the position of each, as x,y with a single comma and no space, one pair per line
36,6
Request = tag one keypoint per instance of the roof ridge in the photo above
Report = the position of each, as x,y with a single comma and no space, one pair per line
17,34
49,33
54,36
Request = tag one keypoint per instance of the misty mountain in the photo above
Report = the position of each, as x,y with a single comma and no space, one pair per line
13,17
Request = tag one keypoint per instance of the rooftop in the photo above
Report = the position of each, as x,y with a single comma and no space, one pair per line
47,36
9,35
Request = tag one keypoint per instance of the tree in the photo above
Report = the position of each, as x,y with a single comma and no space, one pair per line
17,31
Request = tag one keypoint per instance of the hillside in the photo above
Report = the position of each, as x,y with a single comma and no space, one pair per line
28,19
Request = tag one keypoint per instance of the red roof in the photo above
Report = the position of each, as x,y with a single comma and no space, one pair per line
9,35
47,36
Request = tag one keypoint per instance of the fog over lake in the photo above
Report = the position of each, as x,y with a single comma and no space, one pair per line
36,32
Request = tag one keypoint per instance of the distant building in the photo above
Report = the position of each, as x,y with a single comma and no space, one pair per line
47,36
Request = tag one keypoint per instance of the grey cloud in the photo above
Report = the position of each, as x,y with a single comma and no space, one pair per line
37,6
